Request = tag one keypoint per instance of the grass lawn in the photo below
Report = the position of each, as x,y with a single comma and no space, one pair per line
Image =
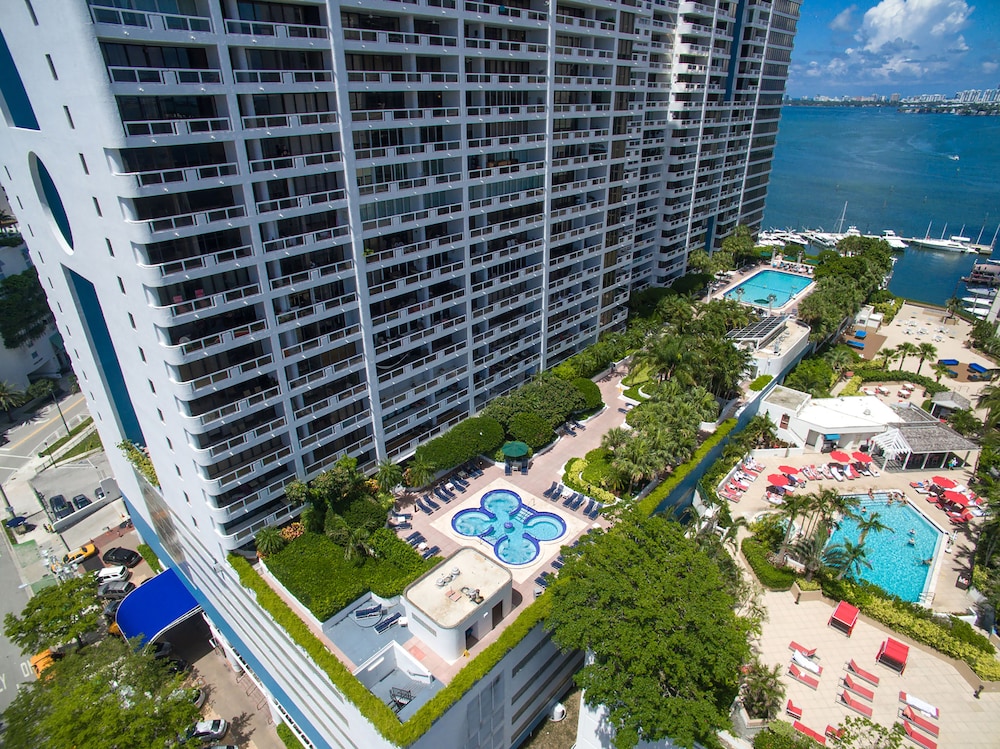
90,442
637,376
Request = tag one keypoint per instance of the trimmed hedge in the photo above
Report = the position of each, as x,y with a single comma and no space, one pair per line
313,569
572,479
760,383
380,715
146,552
652,500
774,737
591,393
852,387
287,737
474,436
532,429
769,576
896,375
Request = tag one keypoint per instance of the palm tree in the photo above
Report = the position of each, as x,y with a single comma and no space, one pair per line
10,398
840,359
953,305
906,349
939,370
419,472
269,541
871,523
809,551
926,351
763,690
388,476
615,438
793,506
989,398
847,557
771,299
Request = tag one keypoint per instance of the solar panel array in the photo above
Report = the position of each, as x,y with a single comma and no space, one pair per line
759,331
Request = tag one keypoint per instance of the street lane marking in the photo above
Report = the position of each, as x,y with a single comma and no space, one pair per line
25,670
44,425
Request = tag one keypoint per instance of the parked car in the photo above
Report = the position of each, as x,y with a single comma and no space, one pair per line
118,555
80,501
78,555
110,610
99,493
178,666
112,574
160,649
43,660
118,589
60,508
208,730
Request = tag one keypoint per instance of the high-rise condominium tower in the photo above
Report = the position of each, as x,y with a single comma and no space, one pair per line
275,233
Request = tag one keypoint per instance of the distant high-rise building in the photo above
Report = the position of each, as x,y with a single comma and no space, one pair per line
276,233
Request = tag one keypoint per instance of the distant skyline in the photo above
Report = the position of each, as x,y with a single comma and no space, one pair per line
909,47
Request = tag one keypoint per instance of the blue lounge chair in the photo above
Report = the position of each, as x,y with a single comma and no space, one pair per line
597,512
507,470
551,490
418,539
412,536
623,410
385,624
369,612
569,429
542,581
440,494
474,470
524,468
459,483
577,502
404,526
855,344
590,507
557,564
431,552
578,425
402,515
557,493
569,499
431,503
422,507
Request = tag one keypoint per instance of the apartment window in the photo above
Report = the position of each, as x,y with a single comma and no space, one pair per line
142,354
83,163
131,320
19,203
159,412
121,285
170,444
187,498
111,250
193,521
52,67
97,207
152,387
31,12
69,118
785,419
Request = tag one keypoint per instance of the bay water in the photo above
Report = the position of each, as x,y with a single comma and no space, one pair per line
894,171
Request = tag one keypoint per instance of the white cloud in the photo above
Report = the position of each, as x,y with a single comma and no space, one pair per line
844,21
990,67
902,41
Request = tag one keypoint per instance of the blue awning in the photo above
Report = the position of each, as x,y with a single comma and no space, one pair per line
831,437
978,368
948,362
155,606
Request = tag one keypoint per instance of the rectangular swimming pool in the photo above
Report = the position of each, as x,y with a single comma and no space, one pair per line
756,289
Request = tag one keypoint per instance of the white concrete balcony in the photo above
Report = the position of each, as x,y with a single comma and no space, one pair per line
584,184
503,168
505,112
351,332
414,248
199,220
250,502
183,353
314,276
417,310
400,41
312,312
335,401
308,163
414,217
512,250
182,310
223,378
432,362
415,281
131,20
499,331
295,244
582,81
519,49
409,391
495,284
398,186
498,79
331,372
584,23
159,128
505,227
414,338
304,202
504,352
283,77
504,305
144,77
191,267
160,181
245,535
232,479
313,121
398,77
503,13
230,411
405,116
396,424
506,141
581,136
584,53
283,31
336,430
581,108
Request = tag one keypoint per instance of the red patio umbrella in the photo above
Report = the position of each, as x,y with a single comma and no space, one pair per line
956,498
776,479
862,457
840,456
944,482
788,469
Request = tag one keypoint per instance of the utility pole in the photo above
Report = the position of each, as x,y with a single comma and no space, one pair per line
53,394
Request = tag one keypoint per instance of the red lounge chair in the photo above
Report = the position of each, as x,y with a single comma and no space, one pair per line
857,688
920,721
795,712
807,652
918,738
855,705
798,674
862,674
817,737
834,733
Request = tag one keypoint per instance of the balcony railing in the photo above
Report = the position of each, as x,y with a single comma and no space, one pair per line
165,76
279,30
185,174
396,37
198,218
295,162
145,19
283,76
177,127
358,76
211,260
300,201
274,121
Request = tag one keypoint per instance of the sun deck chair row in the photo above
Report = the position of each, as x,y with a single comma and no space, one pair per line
415,538
431,552
385,624
573,500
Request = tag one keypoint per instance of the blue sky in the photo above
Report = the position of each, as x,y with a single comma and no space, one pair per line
895,46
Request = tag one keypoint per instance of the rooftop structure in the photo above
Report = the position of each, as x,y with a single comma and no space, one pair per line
276,233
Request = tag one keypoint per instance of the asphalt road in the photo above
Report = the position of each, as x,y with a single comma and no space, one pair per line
25,440
14,668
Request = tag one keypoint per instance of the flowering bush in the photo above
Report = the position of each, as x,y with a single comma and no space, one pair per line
293,531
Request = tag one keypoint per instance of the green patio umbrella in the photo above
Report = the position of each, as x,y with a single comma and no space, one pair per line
515,449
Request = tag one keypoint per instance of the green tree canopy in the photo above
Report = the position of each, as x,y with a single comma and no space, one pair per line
57,615
24,313
655,615
107,696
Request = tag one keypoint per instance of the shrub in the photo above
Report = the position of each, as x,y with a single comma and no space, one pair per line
852,387
804,584
572,479
769,576
590,392
531,429
691,284
896,375
467,439
140,461
40,389
550,397
598,470
287,737
760,383
146,552
774,737
363,513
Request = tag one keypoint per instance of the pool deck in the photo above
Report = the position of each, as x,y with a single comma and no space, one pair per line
739,277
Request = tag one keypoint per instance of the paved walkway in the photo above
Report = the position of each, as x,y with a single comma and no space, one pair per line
964,721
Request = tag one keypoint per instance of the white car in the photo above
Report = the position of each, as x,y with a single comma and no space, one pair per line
208,730
112,574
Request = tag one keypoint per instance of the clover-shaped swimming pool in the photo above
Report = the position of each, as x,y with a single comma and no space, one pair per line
513,529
